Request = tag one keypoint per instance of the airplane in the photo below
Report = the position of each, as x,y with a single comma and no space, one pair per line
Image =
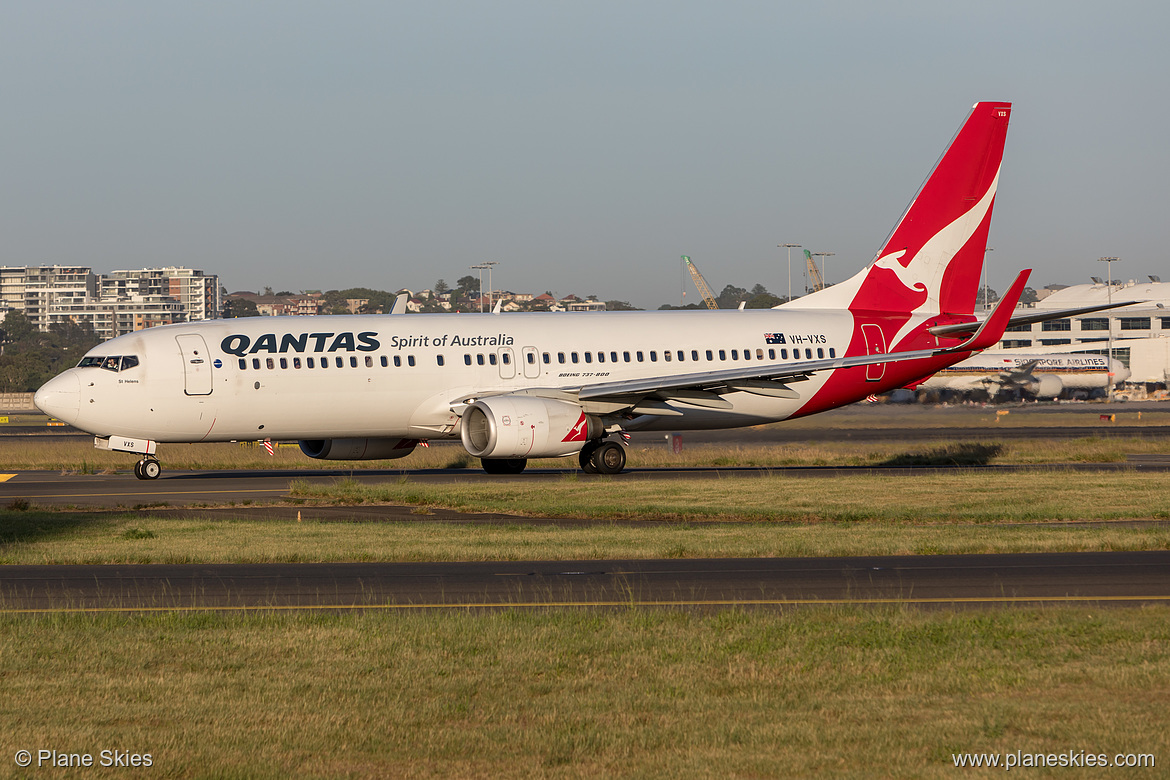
537,385
1041,376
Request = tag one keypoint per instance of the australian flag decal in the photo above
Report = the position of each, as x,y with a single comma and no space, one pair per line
774,338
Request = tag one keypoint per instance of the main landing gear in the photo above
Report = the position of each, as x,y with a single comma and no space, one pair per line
602,457
148,468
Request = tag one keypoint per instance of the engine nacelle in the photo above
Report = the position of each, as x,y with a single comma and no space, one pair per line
516,426
1045,386
357,449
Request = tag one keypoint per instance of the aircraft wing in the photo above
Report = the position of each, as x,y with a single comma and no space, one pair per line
1026,319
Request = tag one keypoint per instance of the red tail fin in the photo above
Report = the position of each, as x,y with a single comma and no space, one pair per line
931,262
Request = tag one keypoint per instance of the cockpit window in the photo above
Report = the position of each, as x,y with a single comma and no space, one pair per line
111,363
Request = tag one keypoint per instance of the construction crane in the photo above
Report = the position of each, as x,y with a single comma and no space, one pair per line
701,284
814,275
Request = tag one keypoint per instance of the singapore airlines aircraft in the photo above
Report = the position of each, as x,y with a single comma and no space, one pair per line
1041,376
520,386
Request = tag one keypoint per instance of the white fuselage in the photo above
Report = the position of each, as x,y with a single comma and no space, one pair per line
405,375
1074,371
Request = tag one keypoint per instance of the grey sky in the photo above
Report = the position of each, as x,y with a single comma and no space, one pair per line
584,146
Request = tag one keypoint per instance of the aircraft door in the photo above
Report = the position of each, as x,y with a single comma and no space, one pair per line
875,344
507,363
196,364
531,360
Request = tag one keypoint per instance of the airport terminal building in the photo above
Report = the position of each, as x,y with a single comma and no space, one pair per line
1140,333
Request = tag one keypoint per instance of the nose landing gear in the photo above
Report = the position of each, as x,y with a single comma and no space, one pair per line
147,468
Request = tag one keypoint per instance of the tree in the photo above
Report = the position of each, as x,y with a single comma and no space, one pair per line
620,306
468,285
731,297
268,290
1029,296
441,287
764,300
239,307
986,296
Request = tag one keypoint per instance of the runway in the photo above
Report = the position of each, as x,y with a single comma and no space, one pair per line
186,488
1104,579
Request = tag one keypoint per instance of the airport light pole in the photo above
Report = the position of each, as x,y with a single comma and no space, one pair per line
986,297
489,264
1109,261
789,247
823,255
479,267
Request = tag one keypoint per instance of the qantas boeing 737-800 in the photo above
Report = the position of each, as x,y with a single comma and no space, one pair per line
520,386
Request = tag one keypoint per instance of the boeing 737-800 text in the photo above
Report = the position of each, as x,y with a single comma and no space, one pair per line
520,386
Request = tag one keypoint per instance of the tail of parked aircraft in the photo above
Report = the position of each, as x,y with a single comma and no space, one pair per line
931,262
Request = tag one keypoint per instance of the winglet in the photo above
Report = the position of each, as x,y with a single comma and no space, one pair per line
399,306
993,327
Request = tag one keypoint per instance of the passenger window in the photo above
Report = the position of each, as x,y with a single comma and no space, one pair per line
723,354
588,357
808,354
324,362
129,361
735,354
626,356
747,354
821,352
784,354
398,361
478,359
384,361
832,352
340,363
682,356
256,363
296,362
639,356
507,358
600,357
547,358
759,354
771,353
284,362
467,360
560,357
410,360
439,359
666,355
309,363
612,357
492,358
531,358
353,361
710,355
573,356
244,364
653,356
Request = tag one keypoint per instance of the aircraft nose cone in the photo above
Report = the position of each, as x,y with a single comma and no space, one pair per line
1120,372
60,397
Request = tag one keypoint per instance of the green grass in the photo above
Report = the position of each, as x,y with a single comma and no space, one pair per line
961,496
951,513
562,694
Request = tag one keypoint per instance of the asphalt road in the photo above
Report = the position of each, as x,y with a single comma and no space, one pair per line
185,488
1109,578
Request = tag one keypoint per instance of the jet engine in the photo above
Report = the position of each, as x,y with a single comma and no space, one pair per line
518,426
357,449
1043,386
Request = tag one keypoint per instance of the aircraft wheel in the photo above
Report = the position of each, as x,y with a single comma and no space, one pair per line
586,457
503,465
149,469
609,458
138,469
